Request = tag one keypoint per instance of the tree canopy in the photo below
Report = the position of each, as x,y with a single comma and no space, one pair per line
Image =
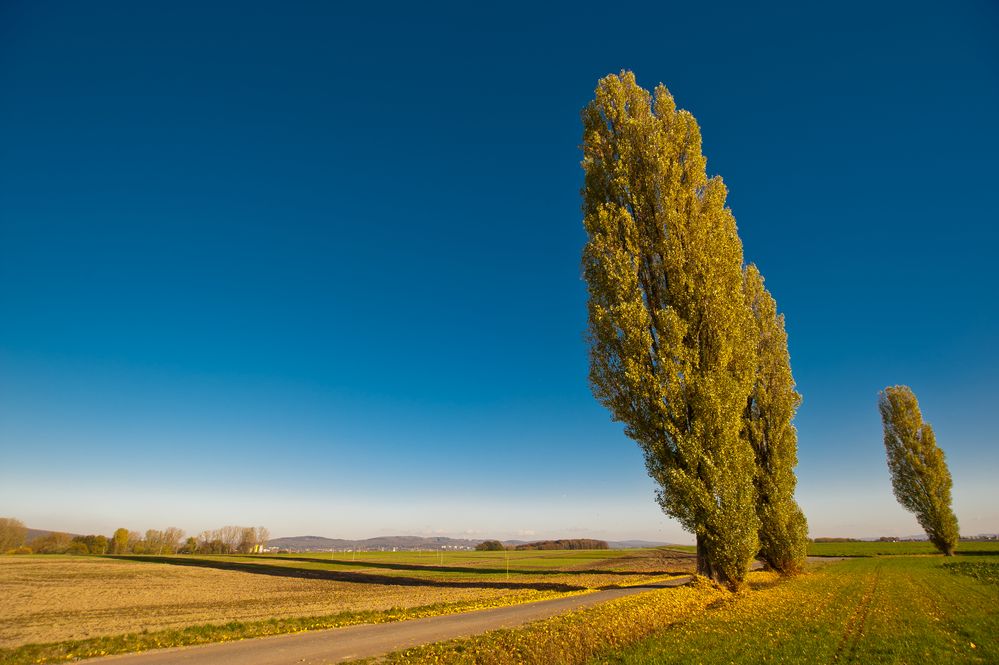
919,474
672,340
769,414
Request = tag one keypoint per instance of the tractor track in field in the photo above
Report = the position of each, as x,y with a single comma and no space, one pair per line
847,648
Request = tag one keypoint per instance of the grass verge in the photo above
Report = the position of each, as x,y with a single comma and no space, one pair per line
874,610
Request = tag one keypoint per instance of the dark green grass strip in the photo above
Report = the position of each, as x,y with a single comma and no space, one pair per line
983,571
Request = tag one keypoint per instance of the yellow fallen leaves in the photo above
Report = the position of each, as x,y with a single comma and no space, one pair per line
577,636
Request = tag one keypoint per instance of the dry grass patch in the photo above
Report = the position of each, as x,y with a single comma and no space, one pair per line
54,599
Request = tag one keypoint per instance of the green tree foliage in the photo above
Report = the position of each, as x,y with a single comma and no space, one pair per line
190,546
95,544
12,534
672,348
55,542
135,543
77,547
768,426
919,474
490,546
154,542
119,541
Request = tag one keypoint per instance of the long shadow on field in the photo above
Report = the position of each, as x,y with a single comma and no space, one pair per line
469,569
977,553
343,576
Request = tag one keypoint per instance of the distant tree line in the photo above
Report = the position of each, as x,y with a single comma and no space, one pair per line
12,534
835,540
231,540
226,540
566,544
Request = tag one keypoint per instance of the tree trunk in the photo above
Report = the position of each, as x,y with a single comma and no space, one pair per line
703,560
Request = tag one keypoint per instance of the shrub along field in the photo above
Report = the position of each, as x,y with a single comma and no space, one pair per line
865,610
54,606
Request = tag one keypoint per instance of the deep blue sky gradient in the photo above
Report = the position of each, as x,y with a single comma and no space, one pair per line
318,267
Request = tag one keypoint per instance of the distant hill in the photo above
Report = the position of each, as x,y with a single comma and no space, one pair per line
323,544
634,544
38,533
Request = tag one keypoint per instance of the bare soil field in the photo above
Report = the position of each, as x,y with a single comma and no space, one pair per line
52,599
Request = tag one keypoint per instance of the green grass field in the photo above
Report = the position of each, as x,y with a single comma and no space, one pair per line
904,609
869,610
895,549
867,548
565,571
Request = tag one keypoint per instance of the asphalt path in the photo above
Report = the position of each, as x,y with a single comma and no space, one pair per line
371,640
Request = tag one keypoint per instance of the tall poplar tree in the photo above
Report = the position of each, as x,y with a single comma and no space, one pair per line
672,347
769,412
919,473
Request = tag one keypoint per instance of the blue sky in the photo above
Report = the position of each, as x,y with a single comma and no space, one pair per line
318,268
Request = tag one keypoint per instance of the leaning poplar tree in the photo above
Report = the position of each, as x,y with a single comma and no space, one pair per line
672,348
919,473
769,428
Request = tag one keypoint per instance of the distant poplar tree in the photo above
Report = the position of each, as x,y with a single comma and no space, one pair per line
672,341
769,412
919,474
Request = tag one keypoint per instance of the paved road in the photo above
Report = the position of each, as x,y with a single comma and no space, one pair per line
366,641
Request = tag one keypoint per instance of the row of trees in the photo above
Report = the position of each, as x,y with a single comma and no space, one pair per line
561,544
566,544
226,540
686,346
233,539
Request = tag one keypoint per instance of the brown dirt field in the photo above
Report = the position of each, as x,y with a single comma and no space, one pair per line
52,599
